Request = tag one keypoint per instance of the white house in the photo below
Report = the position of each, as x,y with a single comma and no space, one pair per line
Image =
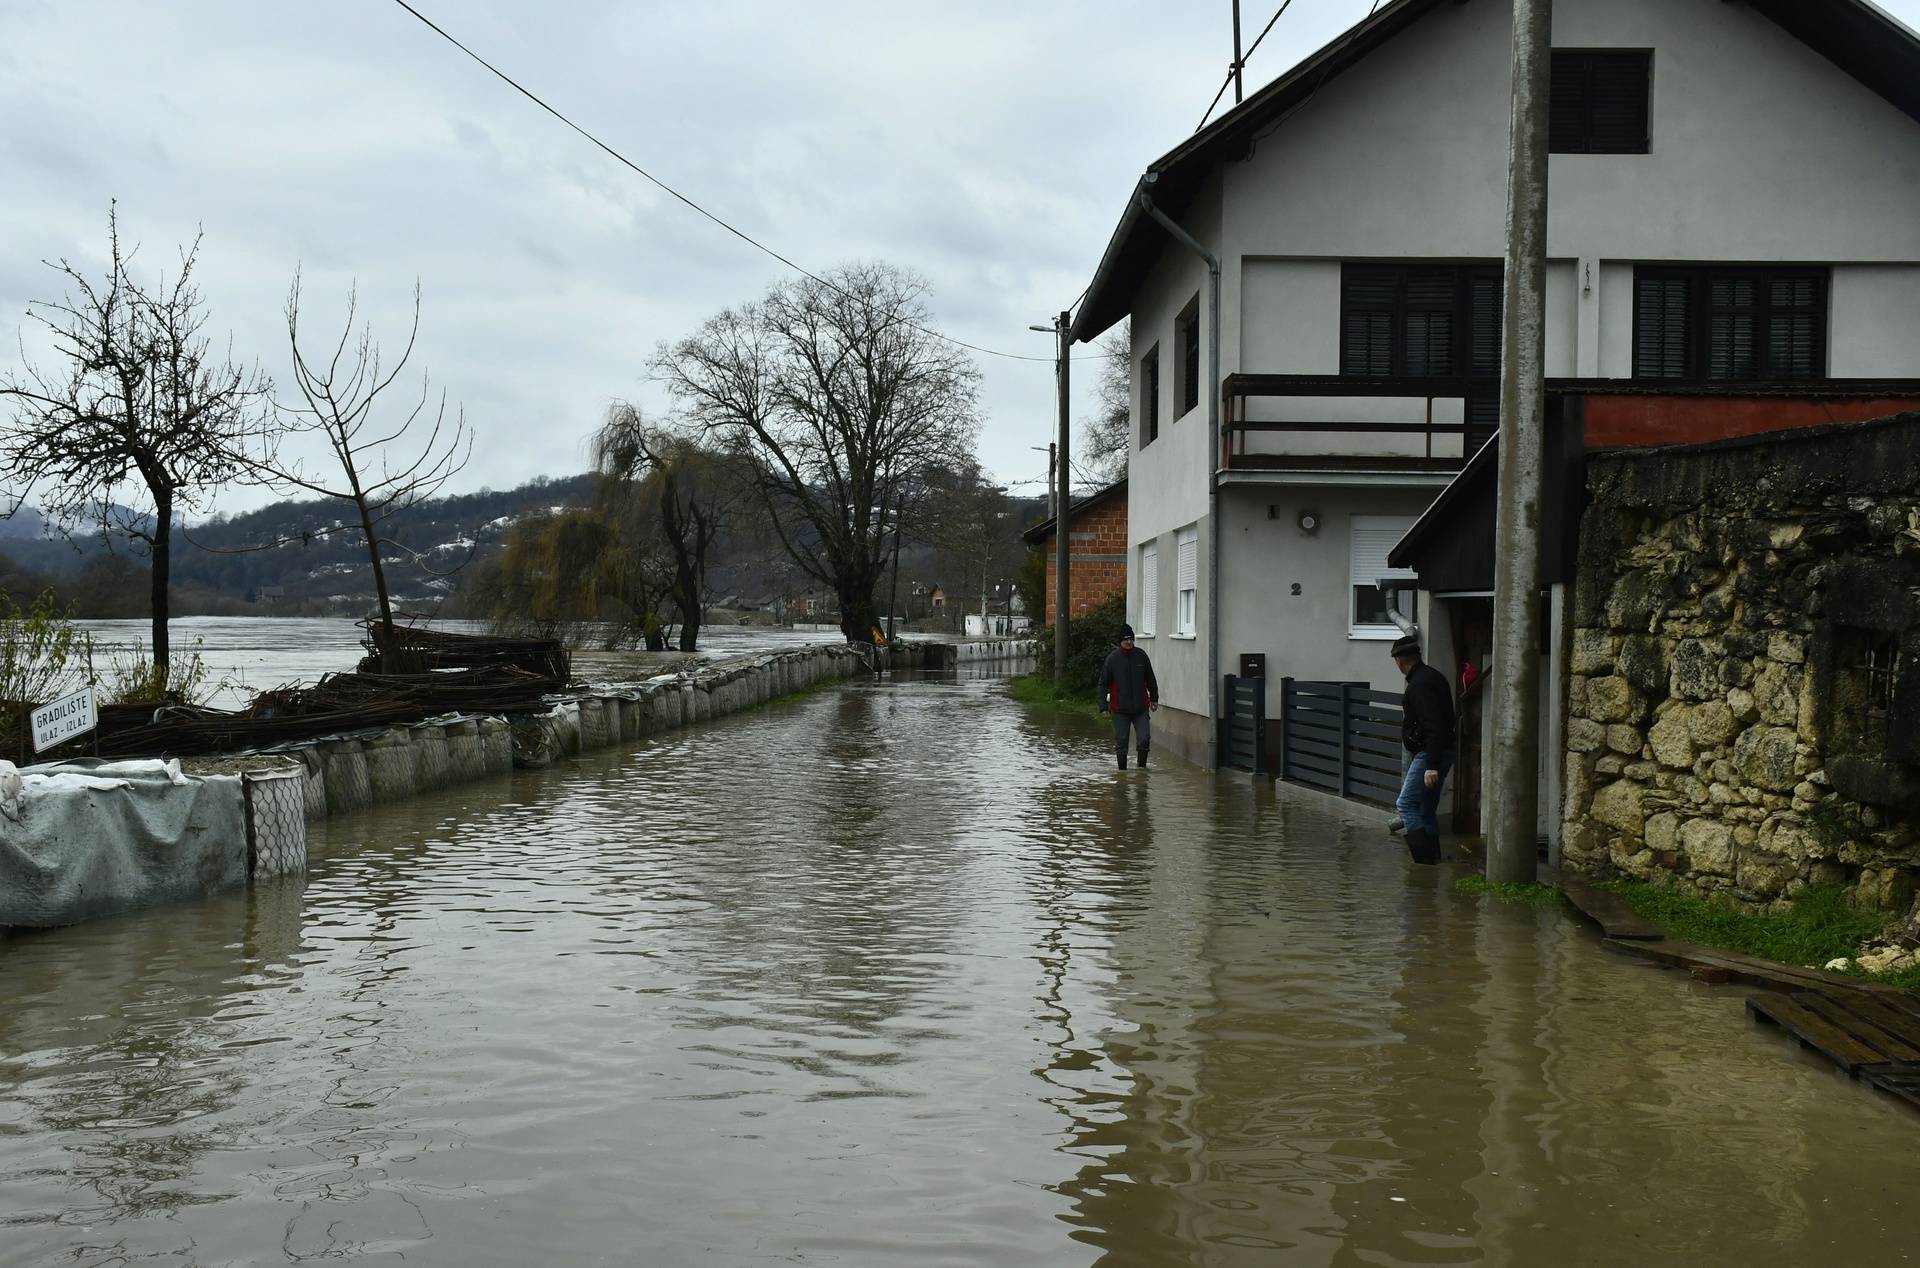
1735,194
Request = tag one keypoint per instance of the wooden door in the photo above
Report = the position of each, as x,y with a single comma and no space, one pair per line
1472,640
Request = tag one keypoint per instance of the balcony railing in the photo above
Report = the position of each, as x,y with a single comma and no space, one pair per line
1409,424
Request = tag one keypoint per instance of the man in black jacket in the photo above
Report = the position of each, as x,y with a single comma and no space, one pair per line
1428,729
1128,690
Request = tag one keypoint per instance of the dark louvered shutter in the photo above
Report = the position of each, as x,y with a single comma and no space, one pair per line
1618,86
1567,103
1369,295
1485,294
1598,103
1660,326
1796,326
1732,320
1432,301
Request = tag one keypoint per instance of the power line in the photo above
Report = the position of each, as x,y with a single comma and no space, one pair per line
1244,57
629,163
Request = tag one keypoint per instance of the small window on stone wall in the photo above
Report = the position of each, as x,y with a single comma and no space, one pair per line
1869,664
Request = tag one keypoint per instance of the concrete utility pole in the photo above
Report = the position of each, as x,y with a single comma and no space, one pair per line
1515,765
1062,494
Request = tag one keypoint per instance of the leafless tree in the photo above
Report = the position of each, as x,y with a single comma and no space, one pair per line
137,399
694,488
1104,435
339,392
833,393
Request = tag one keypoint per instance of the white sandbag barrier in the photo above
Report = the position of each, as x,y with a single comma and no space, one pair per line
88,838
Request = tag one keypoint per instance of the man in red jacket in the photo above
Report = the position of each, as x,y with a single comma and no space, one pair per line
1128,691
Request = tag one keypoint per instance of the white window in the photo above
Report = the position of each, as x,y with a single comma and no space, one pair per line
1373,537
1187,582
1149,587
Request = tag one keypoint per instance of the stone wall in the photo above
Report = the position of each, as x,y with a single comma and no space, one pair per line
1717,724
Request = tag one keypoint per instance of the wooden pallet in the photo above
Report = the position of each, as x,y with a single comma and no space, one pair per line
1874,1037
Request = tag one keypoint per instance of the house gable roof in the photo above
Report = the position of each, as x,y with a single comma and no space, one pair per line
1044,530
1855,35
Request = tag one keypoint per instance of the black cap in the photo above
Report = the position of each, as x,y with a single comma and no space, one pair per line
1407,646
1126,632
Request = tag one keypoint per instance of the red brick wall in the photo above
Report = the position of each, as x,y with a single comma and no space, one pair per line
1098,551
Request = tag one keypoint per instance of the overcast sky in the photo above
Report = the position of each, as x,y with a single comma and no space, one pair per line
988,146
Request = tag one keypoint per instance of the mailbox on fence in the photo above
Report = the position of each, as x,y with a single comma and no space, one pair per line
63,719
1343,737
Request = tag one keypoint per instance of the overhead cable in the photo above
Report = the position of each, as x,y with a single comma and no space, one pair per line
755,243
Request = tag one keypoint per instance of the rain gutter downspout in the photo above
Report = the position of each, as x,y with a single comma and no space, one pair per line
1213,461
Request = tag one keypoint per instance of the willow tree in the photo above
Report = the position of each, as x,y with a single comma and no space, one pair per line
833,393
136,406
689,489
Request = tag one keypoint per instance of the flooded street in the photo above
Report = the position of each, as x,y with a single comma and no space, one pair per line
902,974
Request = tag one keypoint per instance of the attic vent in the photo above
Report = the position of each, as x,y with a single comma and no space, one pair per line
1600,102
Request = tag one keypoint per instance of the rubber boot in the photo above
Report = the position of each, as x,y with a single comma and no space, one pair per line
1143,756
1423,846
1120,756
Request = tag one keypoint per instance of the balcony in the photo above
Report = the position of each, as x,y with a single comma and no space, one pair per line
1332,426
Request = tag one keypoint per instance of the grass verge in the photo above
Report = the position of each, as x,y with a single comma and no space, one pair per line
1820,926
1534,895
1040,689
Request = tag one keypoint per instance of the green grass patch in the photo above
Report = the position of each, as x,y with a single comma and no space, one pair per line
1533,894
1040,689
811,689
1820,926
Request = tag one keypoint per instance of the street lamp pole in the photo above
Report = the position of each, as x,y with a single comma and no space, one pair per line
1062,495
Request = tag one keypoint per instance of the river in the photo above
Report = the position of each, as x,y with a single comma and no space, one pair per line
247,654
902,974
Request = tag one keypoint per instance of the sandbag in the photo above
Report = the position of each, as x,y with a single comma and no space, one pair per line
390,765
465,762
431,769
496,746
345,764
119,836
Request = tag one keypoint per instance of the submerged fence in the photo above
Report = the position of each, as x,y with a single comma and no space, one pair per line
1342,737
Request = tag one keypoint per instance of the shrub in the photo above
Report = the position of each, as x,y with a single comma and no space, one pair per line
42,656
1091,636
133,678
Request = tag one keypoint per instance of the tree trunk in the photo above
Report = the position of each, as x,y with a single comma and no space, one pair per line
161,562
385,638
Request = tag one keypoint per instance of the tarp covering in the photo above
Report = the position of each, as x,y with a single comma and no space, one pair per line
86,839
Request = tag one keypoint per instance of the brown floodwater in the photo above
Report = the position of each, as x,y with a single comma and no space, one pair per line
902,974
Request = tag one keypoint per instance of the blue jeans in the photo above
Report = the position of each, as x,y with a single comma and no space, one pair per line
1420,805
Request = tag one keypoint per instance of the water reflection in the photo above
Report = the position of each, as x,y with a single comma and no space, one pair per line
899,973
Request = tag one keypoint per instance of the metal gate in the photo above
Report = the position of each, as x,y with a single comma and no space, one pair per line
1342,737
1246,747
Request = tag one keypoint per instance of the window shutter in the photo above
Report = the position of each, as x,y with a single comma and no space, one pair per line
1599,102
1369,295
1617,87
1567,103
1432,297
1189,562
1796,326
1660,327
1485,295
1373,539
1149,587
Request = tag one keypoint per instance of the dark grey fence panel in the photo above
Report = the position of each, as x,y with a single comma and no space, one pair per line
1343,737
